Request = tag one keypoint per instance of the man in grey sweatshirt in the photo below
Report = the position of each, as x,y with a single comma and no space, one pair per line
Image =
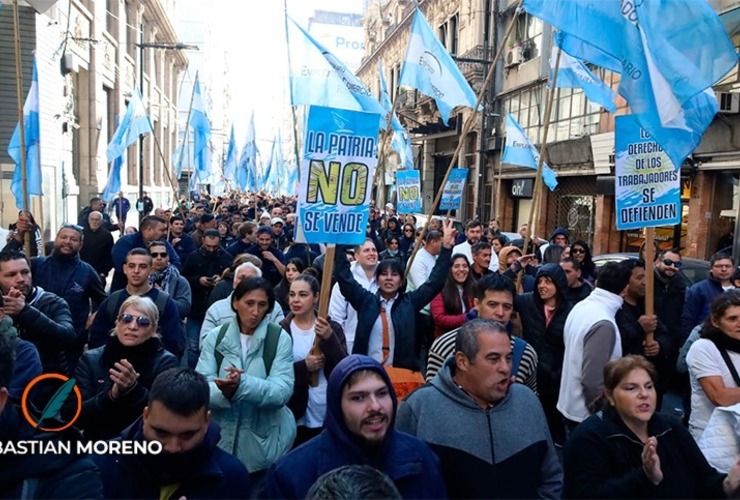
490,434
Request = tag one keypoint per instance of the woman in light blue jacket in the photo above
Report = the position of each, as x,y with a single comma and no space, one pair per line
249,366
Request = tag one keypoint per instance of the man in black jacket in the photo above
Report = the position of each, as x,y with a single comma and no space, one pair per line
191,464
203,271
38,475
273,260
41,317
670,293
578,289
98,247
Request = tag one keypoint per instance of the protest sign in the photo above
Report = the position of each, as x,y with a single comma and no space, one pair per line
452,194
409,191
337,167
647,185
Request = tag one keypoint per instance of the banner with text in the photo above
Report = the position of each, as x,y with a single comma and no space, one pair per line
337,168
409,191
452,194
647,186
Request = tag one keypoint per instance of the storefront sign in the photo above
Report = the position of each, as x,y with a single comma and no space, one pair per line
647,186
522,188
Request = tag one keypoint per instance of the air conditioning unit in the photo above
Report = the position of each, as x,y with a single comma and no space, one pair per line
514,56
728,102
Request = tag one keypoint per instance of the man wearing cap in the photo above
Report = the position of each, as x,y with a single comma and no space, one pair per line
390,210
273,260
279,237
359,430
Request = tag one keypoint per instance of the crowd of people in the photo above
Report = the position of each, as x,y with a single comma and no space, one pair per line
449,364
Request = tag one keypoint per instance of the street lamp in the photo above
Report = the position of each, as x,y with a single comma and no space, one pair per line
142,45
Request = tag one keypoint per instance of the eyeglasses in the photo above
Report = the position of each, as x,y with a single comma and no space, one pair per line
676,263
142,321
408,230
578,250
158,254
722,266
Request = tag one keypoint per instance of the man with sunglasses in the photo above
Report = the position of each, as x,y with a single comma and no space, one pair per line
670,292
167,278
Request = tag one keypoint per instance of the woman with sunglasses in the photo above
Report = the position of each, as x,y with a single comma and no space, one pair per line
407,239
580,251
115,379
304,326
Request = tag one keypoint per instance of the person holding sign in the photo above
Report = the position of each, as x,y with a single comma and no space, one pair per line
387,321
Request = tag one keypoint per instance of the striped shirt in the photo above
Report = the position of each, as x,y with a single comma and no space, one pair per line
444,347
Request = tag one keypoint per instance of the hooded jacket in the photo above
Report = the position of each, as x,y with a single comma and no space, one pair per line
203,263
512,271
43,475
546,339
206,471
406,460
559,231
506,450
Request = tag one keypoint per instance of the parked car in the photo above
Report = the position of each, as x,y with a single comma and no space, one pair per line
694,269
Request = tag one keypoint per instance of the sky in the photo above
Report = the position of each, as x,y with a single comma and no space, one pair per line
258,58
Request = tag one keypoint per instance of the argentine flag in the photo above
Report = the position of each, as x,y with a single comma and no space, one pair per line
201,134
32,137
519,150
429,68
135,123
231,158
246,173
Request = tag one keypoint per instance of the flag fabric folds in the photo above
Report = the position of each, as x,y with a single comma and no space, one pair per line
429,68
519,150
201,134
135,122
318,78
665,72
113,185
572,73
231,159
271,179
246,173
32,138
400,142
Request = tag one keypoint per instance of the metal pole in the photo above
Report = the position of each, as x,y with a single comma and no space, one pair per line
21,124
141,137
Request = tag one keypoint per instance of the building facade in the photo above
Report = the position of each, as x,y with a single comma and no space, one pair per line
90,59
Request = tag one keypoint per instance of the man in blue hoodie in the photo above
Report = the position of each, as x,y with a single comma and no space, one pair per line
359,430
191,464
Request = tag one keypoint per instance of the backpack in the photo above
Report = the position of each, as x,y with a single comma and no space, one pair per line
519,346
268,351
113,306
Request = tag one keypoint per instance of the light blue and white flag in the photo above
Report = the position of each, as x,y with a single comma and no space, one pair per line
183,157
232,157
519,150
201,134
385,100
400,142
32,138
572,73
266,181
665,72
429,68
289,181
246,174
135,123
318,78
113,184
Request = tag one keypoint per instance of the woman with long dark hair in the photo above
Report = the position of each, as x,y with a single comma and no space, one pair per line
580,251
450,307
308,402
293,268
714,361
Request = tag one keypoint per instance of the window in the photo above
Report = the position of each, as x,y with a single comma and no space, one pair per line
529,36
573,115
448,35
526,107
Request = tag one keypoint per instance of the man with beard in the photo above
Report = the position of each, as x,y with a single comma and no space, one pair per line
670,292
98,246
203,271
41,317
191,464
359,430
495,457
273,260
66,275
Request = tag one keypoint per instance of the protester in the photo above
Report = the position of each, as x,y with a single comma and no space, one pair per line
98,246
191,465
293,268
628,450
307,330
115,379
578,289
42,318
38,475
273,266
249,366
354,481
359,430
503,422
580,251
714,362
166,277
700,295
25,224
591,339
450,307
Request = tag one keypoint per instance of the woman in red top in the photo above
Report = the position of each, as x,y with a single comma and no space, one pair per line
456,299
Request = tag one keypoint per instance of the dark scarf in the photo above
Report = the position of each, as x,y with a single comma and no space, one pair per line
723,341
161,278
140,356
